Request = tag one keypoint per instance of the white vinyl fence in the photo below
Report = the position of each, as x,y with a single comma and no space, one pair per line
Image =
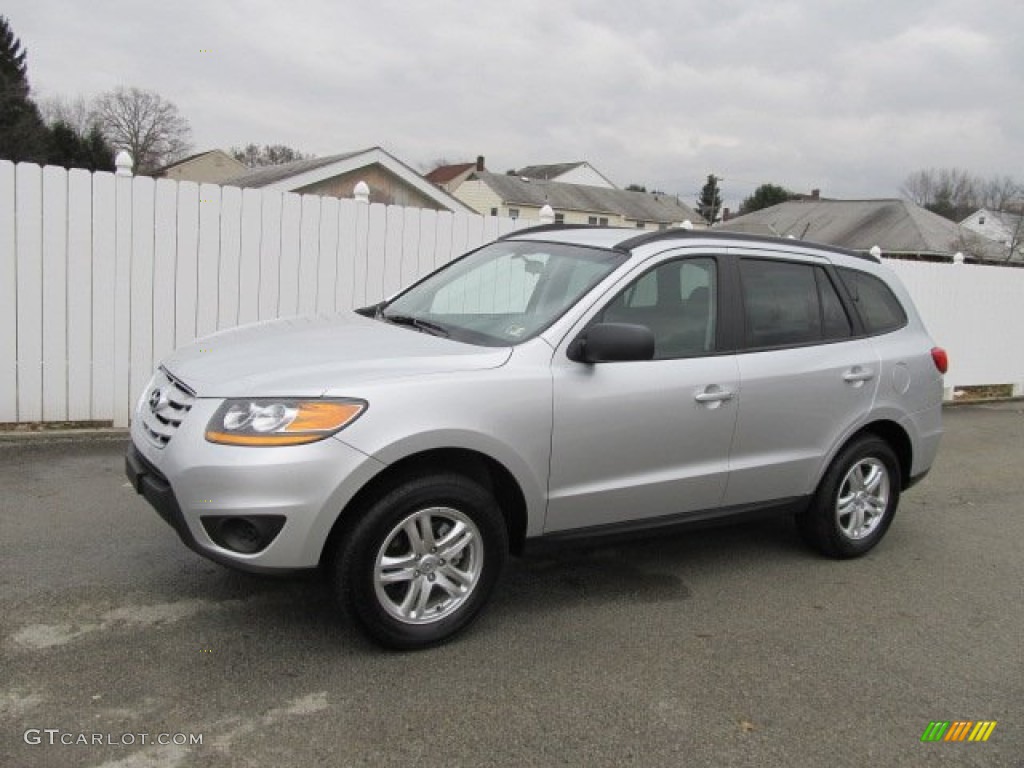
101,276
976,313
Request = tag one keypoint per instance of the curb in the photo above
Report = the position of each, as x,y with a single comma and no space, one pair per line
988,401
35,437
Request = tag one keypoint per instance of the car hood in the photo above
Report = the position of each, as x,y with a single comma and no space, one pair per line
314,356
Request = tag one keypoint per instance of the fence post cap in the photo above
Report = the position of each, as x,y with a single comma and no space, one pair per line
123,163
547,214
361,192
876,251
958,258
686,224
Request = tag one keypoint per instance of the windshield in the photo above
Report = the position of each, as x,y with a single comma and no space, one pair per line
502,294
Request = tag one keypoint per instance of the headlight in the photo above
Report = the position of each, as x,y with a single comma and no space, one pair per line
272,421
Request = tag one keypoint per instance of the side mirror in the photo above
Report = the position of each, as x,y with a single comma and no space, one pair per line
612,343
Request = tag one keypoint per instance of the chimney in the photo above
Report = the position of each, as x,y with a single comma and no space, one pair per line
815,194
480,163
725,214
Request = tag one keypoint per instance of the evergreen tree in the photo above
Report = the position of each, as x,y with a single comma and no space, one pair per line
23,135
13,68
63,146
257,156
99,155
709,202
72,150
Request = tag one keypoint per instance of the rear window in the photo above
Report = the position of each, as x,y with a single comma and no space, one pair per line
877,305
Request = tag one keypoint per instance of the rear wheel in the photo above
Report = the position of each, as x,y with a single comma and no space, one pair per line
855,501
422,560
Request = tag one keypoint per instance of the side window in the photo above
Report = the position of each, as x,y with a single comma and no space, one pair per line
834,322
642,293
677,301
787,304
877,305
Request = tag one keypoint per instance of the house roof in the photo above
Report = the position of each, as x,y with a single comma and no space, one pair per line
271,174
299,174
196,156
548,172
445,173
637,206
1011,221
895,226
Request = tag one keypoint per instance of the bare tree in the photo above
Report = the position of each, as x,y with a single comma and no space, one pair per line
1000,193
437,162
148,126
77,113
961,188
955,193
949,192
919,187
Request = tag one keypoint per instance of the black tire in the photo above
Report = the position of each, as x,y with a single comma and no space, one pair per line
396,600
832,526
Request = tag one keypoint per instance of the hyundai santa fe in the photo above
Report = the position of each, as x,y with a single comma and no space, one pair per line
561,381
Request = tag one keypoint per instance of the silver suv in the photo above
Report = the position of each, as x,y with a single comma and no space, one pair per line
561,381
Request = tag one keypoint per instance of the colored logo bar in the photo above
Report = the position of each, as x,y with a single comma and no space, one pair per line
958,730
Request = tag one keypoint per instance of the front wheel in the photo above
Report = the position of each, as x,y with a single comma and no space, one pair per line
855,501
420,563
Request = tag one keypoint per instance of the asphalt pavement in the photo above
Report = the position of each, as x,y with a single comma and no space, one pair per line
734,646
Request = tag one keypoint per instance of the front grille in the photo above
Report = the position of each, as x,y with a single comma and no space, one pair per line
164,406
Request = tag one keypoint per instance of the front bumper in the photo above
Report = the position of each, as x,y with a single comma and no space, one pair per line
191,480
149,483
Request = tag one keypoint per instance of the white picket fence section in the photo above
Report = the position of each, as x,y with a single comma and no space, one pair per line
101,276
976,313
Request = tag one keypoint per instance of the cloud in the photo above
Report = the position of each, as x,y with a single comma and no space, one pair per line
845,96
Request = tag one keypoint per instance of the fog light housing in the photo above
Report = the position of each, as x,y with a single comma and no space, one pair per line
245,534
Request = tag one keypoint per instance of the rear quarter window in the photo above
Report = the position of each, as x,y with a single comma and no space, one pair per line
877,305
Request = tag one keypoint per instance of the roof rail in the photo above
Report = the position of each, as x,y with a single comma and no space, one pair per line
545,228
651,237
687,234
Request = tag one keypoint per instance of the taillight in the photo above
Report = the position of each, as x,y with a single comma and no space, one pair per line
941,359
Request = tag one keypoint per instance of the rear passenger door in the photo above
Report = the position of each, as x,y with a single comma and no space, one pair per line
807,376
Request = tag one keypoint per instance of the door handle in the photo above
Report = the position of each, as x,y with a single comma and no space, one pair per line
857,374
713,395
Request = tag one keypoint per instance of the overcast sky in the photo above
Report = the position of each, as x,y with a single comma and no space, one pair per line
848,97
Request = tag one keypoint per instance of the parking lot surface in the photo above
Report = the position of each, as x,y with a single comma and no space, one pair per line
734,646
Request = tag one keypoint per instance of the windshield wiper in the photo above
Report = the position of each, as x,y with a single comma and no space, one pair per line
418,323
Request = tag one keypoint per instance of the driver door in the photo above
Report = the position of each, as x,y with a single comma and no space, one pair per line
634,441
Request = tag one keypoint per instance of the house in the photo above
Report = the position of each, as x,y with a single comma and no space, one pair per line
1001,227
449,177
900,228
211,167
523,197
580,172
390,180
